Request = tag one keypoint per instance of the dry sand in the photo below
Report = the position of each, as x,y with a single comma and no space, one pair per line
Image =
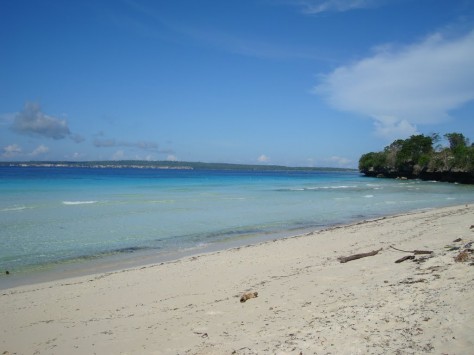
308,302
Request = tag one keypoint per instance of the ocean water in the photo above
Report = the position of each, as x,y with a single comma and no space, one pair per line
56,216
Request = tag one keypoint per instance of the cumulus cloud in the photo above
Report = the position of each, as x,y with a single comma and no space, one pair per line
400,88
32,121
14,150
318,6
41,149
11,151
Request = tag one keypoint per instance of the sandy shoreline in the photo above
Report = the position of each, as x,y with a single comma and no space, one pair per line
308,302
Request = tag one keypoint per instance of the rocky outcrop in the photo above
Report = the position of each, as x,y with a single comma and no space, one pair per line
415,172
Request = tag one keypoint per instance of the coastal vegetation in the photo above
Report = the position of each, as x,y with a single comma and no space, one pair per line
423,157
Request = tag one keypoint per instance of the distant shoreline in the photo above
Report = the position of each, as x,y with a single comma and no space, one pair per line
181,165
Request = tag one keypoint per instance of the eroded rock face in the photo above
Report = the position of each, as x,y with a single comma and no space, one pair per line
461,177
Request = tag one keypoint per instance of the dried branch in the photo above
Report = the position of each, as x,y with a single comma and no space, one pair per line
416,252
408,257
345,259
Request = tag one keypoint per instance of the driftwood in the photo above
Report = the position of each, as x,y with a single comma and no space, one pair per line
248,295
416,252
410,281
408,257
345,259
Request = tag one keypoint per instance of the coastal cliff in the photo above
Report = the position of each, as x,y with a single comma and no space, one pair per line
423,157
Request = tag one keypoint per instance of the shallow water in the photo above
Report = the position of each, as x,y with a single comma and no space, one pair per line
52,216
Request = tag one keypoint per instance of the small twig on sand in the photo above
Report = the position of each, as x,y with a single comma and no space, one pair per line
408,257
345,259
416,252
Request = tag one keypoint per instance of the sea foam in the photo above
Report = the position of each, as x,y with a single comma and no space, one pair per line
79,202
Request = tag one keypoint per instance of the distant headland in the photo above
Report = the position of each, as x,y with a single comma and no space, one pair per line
176,165
422,157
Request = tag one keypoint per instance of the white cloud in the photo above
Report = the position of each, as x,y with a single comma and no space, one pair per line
14,150
171,157
11,151
263,159
32,121
393,128
318,6
405,87
41,149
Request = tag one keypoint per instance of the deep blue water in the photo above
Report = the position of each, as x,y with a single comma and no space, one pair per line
63,215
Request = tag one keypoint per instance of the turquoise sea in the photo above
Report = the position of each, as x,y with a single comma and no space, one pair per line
57,217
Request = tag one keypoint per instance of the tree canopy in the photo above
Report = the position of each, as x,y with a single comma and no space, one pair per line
420,156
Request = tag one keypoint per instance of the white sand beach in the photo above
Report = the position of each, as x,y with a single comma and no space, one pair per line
308,301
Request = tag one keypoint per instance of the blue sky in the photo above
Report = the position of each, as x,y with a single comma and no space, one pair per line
291,82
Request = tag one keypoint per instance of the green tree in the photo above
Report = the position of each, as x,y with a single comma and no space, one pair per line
456,141
372,161
460,150
416,156
415,150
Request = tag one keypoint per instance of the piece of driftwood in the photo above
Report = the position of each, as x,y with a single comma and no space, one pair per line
408,257
345,259
416,252
410,281
248,295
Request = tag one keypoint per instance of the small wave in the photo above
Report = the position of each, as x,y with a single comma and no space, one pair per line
336,187
79,202
19,208
316,188
161,201
369,196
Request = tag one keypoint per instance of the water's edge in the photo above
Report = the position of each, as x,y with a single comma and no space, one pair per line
142,258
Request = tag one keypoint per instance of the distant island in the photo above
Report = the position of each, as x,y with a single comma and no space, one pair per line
422,157
144,164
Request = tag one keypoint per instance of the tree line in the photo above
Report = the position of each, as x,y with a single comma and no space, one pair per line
423,157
